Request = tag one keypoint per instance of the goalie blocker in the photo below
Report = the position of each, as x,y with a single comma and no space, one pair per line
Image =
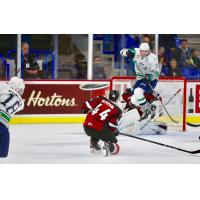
101,121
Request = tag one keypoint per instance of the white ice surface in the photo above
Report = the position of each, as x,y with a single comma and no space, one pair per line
67,143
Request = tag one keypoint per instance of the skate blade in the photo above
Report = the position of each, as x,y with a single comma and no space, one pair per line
94,151
104,150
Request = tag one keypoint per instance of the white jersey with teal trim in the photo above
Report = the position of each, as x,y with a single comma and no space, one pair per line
146,65
10,103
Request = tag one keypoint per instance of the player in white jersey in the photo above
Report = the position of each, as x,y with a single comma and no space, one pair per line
147,74
10,103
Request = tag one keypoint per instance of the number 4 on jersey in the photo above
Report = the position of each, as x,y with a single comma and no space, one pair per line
103,114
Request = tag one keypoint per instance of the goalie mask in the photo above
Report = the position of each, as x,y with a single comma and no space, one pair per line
17,84
113,95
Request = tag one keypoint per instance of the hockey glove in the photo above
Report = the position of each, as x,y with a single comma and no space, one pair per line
116,133
149,77
129,53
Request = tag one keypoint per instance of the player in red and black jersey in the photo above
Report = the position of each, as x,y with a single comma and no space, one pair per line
101,121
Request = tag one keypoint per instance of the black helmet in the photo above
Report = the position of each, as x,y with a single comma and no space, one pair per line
113,95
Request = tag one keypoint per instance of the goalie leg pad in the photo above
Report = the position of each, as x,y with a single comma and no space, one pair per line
154,128
163,126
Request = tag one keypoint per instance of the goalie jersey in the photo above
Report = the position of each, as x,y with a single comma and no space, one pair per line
10,103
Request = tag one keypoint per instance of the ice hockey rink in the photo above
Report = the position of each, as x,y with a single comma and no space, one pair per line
67,143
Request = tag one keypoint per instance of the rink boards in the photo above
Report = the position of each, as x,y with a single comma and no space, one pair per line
57,101
45,119
60,101
41,119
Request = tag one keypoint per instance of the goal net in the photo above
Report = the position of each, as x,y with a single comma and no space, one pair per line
167,87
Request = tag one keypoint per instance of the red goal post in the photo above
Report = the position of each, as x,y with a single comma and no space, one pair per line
166,87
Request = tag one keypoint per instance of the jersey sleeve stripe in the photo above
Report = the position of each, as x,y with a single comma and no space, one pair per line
112,125
142,75
88,105
5,116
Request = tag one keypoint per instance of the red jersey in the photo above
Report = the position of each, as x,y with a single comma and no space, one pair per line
101,111
127,98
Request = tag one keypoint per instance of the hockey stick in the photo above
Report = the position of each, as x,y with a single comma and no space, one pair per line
149,120
158,96
192,125
161,144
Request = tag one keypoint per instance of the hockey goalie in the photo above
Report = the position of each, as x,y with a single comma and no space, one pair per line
132,113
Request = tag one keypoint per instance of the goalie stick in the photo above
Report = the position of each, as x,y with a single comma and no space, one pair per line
158,97
149,120
120,127
193,125
161,144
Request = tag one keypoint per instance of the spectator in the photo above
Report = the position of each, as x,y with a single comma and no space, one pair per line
30,68
2,68
162,59
98,68
167,41
148,39
137,39
173,53
150,36
80,66
185,53
108,67
174,70
194,60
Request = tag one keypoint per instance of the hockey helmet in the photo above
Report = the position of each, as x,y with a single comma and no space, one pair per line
113,95
17,84
144,47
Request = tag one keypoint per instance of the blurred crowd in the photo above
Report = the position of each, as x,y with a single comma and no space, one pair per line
178,60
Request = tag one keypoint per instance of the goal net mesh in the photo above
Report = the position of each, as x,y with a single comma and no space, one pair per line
166,88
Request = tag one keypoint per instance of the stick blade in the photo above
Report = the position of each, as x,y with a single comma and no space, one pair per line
193,125
196,152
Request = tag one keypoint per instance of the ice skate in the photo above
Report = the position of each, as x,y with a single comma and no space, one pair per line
153,110
104,148
146,110
94,147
